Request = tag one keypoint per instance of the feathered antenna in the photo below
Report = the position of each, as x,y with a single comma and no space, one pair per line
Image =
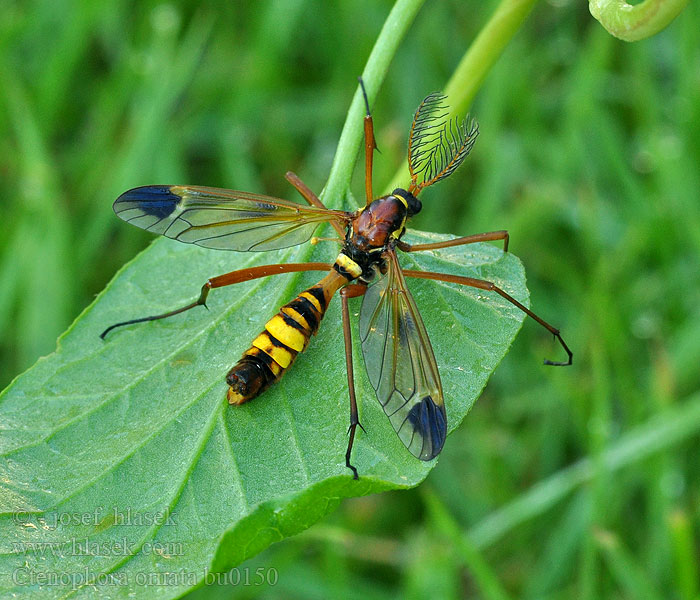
437,145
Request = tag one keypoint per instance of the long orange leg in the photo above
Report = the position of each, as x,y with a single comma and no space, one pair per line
370,145
304,190
311,198
491,236
350,291
228,279
491,287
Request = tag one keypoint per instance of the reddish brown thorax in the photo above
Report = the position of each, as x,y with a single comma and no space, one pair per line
375,224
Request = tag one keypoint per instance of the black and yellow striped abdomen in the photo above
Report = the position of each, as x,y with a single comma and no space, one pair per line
284,337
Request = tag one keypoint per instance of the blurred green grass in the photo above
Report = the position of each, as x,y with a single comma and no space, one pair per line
588,155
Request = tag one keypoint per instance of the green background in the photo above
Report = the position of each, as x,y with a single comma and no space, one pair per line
588,155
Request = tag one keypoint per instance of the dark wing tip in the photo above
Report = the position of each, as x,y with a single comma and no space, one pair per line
154,200
430,422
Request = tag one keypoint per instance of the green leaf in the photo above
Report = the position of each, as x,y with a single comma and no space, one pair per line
100,438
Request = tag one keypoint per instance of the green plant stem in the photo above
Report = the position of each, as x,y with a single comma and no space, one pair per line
684,546
484,51
635,22
631,578
395,27
477,62
657,435
469,555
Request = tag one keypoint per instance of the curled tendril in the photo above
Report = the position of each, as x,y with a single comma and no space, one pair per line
635,22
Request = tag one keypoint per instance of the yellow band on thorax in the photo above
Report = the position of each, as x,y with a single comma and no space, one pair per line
403,200
397,233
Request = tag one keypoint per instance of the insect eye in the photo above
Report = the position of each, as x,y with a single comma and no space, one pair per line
414,205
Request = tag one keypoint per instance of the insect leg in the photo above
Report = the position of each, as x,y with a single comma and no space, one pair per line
350,291
310,197
468,239
370,145
228,279
491,287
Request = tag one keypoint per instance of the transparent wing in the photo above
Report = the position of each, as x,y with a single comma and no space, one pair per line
437,144
221,219
400,363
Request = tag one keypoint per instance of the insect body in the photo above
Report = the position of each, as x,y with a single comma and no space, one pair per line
284,337
289,331
398,356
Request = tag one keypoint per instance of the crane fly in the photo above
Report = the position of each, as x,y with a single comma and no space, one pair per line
398,357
